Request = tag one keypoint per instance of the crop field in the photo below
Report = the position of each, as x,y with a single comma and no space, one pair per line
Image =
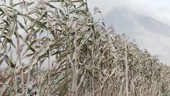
56,48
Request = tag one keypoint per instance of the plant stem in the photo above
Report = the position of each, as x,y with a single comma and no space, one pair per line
126,65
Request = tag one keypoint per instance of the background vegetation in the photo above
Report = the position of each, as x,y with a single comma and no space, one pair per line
81,56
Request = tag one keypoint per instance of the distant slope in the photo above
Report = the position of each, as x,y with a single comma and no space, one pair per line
127,21
148,32
153,25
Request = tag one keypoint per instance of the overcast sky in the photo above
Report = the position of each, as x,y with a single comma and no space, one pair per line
157,9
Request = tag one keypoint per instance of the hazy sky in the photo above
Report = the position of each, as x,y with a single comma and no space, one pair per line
156,44
159,9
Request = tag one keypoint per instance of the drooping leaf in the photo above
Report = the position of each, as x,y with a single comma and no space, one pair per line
9,61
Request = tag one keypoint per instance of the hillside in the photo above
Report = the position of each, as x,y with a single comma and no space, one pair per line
148,32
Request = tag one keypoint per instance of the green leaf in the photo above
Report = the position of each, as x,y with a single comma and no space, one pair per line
2,11
42,24
6,22
1,61
21,25
30,46
9,61
48,4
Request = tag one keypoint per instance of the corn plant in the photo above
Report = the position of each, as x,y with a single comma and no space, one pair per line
56,48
